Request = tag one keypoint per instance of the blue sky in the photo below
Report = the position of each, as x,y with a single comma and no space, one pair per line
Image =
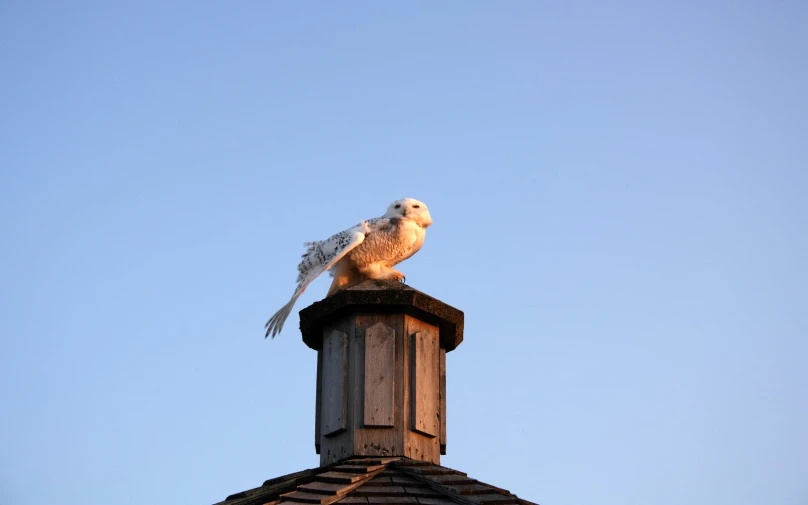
619,202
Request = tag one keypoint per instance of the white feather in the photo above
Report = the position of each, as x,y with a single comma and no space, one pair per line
388,240
319,257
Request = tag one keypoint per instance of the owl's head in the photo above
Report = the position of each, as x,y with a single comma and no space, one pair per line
410,208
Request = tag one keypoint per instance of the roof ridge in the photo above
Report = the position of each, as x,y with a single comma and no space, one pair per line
457,498
372,481
349,476
463,489
349,472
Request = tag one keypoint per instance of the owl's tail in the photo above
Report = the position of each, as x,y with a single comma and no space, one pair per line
275,323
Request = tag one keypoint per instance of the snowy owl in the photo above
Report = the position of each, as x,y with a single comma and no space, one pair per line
366,251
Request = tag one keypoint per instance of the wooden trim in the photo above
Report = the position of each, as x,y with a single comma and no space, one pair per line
424,387
442,401
318,397
380,358
335,383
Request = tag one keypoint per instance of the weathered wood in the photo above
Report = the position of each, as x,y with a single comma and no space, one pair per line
338,445
420,491
435,501
454,480
472,489
418,445
425,383
372,490
323,488
355,500
391,500
318,398
370,440
335,387
379,375
371,342
442,401
340,477
313,498
496,499
359,468
379,296
403,479
356,381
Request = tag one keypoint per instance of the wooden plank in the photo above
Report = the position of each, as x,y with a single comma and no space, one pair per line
370,441
317,398
472,489
495,499
431,470
425,383
303,497
335,377
393,500
354,500
340,477
403,479
371,490
337,445
435,501
419,491
454,480
379,375
358,468
419,445
442,401
322,488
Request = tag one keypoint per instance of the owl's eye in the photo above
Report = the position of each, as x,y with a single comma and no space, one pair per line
416,206
398,205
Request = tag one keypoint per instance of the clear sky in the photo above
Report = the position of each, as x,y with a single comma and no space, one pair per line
619,201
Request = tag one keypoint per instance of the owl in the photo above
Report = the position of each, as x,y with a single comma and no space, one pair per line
368,250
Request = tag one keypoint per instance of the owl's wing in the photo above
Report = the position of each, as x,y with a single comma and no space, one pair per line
319,257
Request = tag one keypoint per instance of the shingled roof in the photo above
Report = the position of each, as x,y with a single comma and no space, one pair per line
376,481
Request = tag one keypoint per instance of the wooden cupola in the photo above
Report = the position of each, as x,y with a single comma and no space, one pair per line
381,371
380,422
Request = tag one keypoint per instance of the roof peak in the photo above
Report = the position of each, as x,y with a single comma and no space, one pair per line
371,481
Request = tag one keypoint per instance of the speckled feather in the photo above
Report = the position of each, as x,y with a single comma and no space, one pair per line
367,250
323,252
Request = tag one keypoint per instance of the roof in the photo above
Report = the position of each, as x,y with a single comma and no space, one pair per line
383,295
372,481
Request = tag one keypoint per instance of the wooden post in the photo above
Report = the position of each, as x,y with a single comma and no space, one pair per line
381,371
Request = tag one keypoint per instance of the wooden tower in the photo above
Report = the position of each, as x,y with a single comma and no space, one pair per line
380,422
381,371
